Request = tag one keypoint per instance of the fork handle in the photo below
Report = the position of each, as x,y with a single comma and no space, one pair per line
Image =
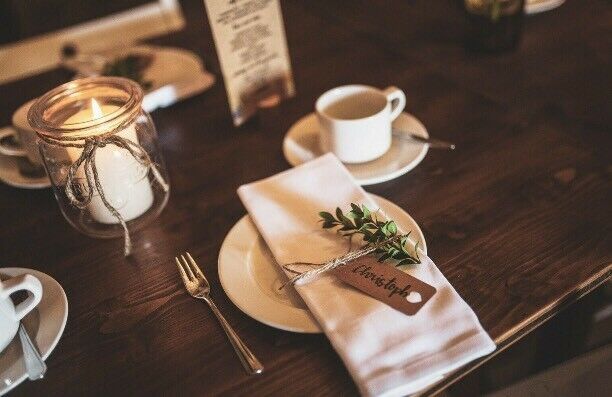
250,363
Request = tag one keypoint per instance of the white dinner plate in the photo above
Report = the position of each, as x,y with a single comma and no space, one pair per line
537,6
301,144
45,324
180,71
169,64
251,277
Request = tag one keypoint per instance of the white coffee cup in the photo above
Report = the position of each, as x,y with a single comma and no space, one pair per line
23,134
11,315
355,121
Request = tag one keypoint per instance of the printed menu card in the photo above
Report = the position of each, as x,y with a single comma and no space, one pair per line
252,49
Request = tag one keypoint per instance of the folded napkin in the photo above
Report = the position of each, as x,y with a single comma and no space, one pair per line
387,352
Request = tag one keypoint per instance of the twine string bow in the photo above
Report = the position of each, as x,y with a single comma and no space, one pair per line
320,268
87,160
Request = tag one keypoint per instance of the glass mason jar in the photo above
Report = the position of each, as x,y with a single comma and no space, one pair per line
100,151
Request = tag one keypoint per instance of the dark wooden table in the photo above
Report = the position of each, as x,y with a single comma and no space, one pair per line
518,218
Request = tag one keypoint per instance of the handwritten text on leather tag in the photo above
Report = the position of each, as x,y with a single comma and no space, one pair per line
386,283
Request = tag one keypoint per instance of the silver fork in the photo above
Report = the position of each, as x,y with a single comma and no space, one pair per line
199,288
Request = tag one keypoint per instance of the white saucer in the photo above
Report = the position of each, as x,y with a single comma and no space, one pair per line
301,144
45,324
537,6
251,278
9,174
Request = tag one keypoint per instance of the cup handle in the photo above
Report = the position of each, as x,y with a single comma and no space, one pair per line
28,283
6,149
397,99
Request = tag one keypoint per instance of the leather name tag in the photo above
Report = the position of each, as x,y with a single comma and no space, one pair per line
386,283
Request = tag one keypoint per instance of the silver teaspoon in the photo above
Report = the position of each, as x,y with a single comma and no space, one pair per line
433,143
34,363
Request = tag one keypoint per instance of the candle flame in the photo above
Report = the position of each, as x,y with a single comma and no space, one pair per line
96,110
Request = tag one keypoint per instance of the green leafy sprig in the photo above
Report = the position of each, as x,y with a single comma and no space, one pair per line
360,220
131,66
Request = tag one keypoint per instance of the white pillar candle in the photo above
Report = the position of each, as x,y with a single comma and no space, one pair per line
124,181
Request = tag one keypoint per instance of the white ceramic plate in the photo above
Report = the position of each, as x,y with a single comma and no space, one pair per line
170,65
251,277
537,6
301,144
9,174
175,73
45,324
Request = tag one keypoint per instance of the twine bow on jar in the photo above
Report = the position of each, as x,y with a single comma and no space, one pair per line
87,160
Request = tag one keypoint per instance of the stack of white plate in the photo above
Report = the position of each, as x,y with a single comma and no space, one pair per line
536,6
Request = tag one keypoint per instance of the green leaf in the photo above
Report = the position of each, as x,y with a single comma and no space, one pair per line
387,229
339,214
401,255
366,212
407,261
326,216
392,228
347,222
384,257
356,210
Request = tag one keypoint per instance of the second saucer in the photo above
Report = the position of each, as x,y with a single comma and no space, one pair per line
10,174
301,144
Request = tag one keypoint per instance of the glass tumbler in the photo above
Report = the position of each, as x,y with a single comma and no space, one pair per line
494,25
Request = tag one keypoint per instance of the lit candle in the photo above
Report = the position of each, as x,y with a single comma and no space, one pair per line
124,181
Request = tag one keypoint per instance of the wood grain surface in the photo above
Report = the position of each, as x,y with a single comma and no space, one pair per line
518,218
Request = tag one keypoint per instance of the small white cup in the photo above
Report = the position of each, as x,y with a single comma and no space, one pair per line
355,121
21,132
11,315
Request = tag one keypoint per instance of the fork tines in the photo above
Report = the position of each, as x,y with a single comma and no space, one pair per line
189,270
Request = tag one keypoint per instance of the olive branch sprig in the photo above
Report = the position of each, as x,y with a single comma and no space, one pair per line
360,220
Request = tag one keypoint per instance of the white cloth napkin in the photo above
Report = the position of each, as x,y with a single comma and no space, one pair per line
387,352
